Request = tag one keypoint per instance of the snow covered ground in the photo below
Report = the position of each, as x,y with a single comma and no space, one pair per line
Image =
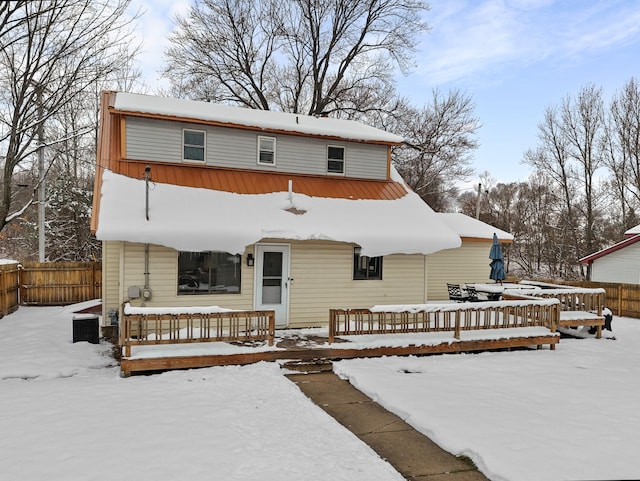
572,413
65,414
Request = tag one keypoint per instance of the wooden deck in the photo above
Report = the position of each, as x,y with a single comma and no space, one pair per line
579,306
162,341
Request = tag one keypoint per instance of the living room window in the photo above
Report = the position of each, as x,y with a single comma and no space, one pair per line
193,142
211,272
335,159
266,150
365,267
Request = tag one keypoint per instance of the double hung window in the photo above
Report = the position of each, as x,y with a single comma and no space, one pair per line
335,159
193,145
266,150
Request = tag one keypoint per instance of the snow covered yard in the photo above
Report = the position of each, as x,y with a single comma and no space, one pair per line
567,414
67,415
526,415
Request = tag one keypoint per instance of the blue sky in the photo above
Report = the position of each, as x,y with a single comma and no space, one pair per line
513,57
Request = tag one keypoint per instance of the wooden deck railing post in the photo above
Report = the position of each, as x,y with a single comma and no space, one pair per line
456,330
332,325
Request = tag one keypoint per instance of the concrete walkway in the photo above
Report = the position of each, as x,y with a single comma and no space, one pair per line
411,453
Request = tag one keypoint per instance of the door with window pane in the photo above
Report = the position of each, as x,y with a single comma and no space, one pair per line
272,280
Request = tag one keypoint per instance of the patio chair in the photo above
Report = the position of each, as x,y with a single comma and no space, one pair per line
455,293
472,294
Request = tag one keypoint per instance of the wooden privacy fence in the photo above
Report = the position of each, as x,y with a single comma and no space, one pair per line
622,299
143,326
49,283
9,293
444,317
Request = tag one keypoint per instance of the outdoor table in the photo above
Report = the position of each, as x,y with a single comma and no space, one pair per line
494,291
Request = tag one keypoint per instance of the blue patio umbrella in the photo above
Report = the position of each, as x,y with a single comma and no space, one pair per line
497,261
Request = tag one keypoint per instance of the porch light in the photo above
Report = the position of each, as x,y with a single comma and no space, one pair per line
250,260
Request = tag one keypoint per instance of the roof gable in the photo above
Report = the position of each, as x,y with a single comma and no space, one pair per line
608,250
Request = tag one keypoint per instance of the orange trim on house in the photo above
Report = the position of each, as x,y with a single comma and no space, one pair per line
260,182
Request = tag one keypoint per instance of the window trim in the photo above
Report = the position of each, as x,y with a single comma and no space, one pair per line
195,278
203,146
357,258
344,159
273,139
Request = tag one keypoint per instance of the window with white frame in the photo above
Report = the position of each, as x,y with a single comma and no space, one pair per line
335,159
365,267
209,272
193,142
266,150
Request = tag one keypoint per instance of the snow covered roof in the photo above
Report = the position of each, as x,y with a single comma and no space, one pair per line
267,120
633,231
192,219
466,226
608,250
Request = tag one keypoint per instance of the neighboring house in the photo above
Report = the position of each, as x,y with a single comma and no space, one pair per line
617,263
248,209
468,263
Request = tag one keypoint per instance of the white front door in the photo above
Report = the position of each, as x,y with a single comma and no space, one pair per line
272,280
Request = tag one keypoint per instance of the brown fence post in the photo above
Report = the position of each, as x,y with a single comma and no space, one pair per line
4,293
619,300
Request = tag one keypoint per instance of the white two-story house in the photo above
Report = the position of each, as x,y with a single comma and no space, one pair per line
200,204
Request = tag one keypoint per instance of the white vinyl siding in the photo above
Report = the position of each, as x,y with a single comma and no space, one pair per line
469,263
163,280
161,141
621,266
322,275
110,278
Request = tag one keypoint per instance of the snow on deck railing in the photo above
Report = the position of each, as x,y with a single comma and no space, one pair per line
176,325
438,317
571,299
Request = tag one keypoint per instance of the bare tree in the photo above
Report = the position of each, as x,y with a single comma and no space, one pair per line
51,52
439,141
622,146
304,56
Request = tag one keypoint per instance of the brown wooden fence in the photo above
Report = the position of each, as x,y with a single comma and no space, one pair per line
8,288
59,283
622,299
48,284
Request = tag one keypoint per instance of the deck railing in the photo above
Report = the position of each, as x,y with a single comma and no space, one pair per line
454,317
155,326
570,298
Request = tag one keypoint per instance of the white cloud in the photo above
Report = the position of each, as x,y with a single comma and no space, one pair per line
470,38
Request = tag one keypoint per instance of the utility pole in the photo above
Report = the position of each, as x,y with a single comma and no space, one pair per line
41,174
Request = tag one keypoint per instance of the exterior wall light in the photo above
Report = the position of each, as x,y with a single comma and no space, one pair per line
250,260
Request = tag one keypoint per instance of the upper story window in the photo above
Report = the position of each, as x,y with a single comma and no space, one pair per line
335,159
266,150
213,272
193,145
365,267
